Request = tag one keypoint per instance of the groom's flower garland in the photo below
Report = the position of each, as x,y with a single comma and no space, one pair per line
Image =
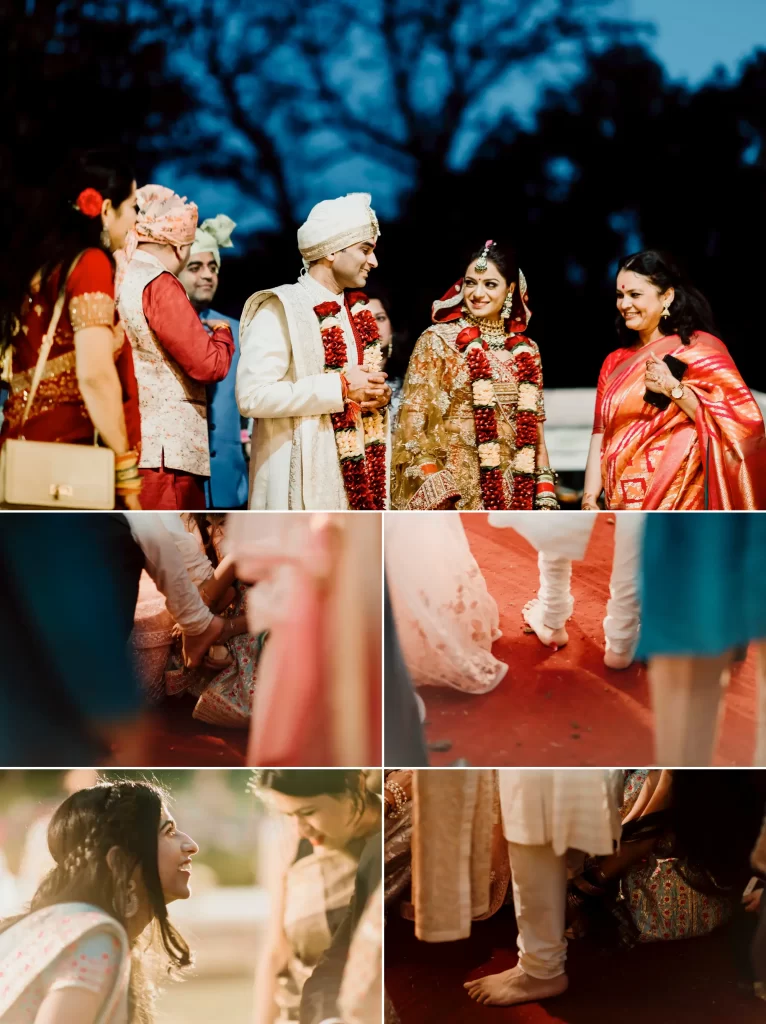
367,335
470,343
362,455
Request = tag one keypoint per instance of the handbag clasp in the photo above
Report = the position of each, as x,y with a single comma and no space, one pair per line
58,491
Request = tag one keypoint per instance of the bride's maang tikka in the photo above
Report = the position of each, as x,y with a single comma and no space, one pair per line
480,265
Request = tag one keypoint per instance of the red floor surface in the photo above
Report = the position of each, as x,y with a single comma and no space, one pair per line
563,707
176,740
698,981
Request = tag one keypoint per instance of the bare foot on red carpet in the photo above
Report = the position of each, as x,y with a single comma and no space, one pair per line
532,613
617,661
196,647
514,986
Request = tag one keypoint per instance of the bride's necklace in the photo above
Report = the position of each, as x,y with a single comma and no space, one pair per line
492,331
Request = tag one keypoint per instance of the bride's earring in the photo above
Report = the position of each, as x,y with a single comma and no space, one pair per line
131,901
507,305
106,240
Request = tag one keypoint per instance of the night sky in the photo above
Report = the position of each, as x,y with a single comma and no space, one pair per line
693,36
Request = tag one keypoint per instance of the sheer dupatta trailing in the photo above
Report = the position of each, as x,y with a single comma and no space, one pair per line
446,619
460,866
661,459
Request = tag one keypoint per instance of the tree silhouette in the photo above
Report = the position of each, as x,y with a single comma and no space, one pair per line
71,81
623,160
414,100
280,96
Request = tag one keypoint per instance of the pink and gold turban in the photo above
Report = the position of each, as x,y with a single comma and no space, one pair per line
163,217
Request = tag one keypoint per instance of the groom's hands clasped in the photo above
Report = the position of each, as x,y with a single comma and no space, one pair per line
368,389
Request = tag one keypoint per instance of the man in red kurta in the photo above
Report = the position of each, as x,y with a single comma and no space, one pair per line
174,355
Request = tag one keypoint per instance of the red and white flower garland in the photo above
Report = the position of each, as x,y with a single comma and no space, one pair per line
525,459
360,440
470,343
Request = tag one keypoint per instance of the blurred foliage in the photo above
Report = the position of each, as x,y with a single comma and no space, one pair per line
44,783
222,821
232,867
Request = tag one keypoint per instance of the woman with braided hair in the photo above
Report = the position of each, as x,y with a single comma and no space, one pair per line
74,956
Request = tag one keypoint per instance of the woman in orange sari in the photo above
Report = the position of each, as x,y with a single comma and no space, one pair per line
675,425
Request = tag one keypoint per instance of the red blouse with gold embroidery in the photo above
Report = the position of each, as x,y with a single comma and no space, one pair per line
58,412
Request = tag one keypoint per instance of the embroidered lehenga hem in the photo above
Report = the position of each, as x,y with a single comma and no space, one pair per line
437,490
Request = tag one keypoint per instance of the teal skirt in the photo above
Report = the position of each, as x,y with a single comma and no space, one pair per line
703,582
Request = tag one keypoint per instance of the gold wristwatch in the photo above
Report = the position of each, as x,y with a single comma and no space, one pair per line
678,392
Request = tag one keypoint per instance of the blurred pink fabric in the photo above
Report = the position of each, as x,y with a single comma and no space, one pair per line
318,593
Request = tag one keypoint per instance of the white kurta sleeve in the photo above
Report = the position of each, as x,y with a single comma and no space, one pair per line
263,388
166,566
198,565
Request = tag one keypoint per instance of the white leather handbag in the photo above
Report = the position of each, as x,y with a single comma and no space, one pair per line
45,475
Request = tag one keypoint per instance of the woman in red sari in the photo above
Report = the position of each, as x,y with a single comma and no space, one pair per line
88,383
683,434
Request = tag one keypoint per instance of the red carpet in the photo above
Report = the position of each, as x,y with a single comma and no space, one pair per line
176,740
563,707
697,981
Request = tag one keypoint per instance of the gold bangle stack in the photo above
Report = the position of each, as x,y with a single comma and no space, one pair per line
399,797
127,477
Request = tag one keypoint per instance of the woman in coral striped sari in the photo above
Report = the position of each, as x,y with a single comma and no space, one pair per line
688,435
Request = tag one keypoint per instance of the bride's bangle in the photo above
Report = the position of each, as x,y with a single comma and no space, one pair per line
124,489
400,799
125,460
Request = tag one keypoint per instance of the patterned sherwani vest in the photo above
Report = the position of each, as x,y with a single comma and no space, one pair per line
173,406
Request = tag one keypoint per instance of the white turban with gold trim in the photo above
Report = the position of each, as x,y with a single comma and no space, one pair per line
335,224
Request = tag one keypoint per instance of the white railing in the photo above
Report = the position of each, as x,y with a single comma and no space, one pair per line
569,421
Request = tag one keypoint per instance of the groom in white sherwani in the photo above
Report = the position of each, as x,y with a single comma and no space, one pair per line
308,372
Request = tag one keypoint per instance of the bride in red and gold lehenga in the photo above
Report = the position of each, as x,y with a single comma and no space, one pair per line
470,430
706,448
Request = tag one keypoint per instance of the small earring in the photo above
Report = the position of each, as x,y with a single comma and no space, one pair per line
106,240
131,903
665,311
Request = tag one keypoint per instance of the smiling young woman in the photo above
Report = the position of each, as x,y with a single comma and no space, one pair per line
675,425
119,860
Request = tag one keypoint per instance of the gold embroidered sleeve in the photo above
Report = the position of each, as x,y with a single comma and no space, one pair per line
91,309
420,442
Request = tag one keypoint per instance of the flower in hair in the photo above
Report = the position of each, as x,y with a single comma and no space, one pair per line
89,202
